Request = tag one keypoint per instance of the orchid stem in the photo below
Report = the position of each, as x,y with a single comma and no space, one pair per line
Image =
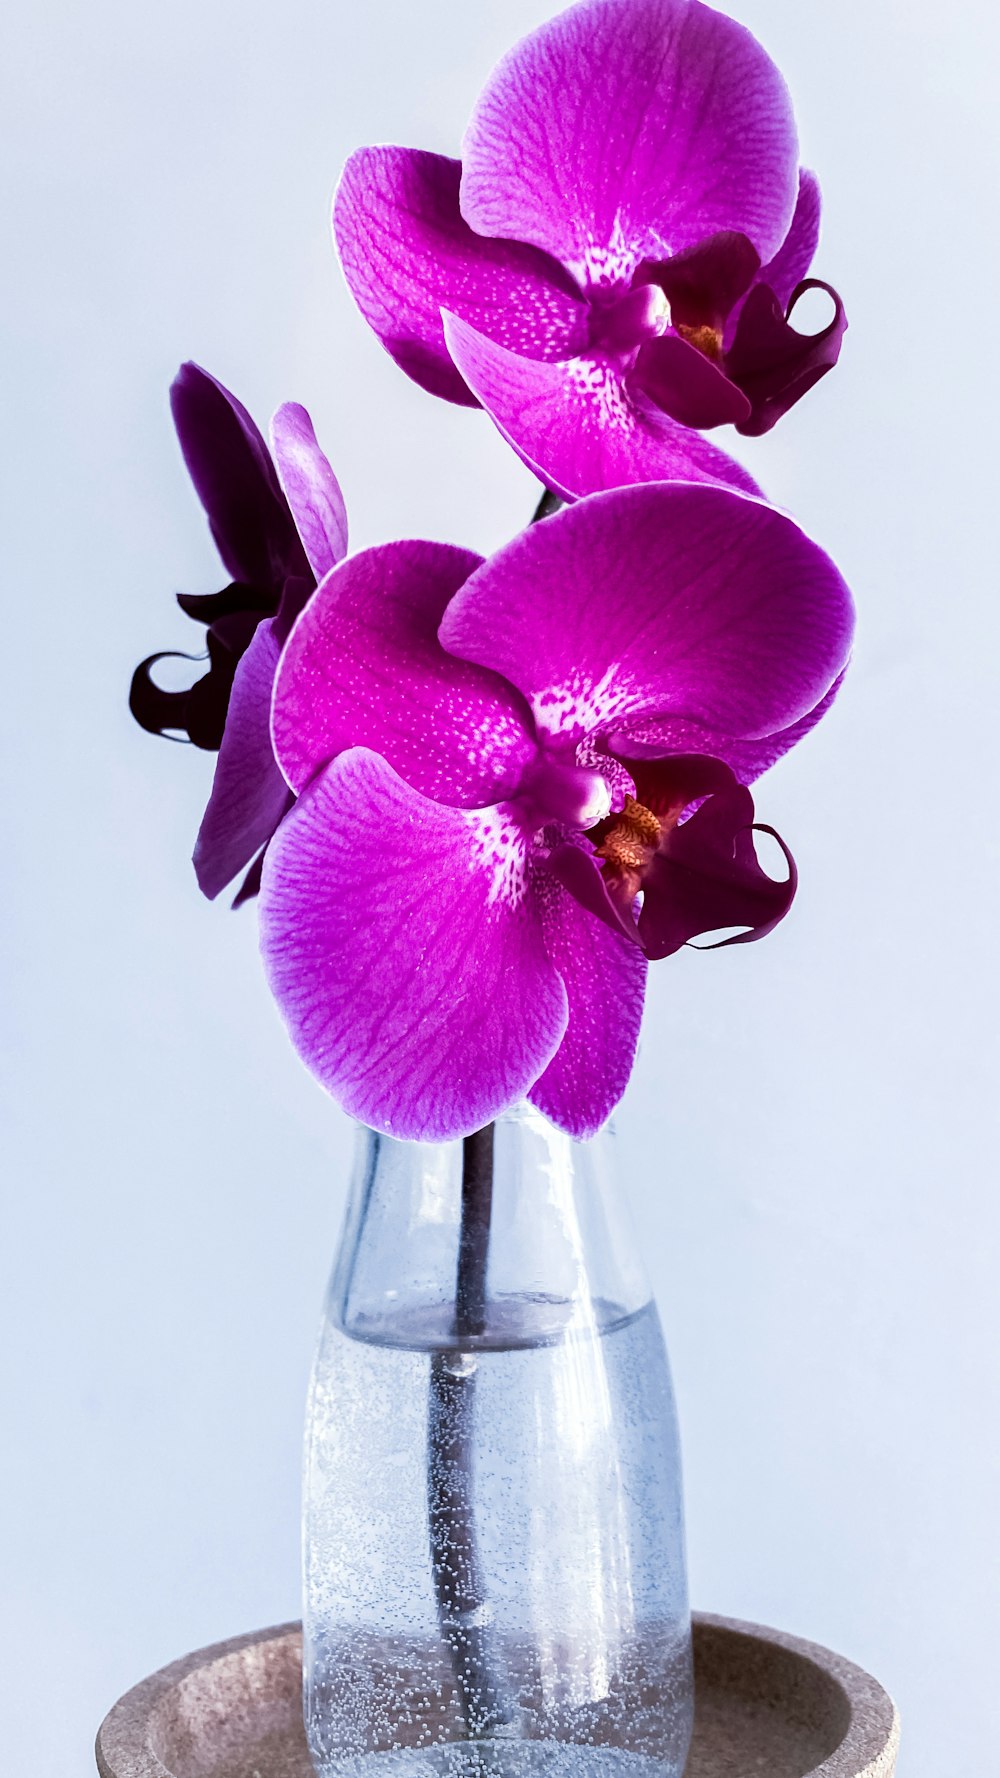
547,505
474,1232
458,1583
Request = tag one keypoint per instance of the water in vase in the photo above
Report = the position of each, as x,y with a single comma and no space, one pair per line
494,1568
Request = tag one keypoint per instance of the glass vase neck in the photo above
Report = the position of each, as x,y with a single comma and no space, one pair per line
514,1236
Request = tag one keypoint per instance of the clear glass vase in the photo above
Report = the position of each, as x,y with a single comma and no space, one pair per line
495,1579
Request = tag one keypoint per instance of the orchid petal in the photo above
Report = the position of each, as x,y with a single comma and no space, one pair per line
158,711
706,875
231,468
605,978
576,424
798,249
310,487
703,283
363,668
249,795
207,608
407,253
747,759
669,601
687,385
631,129
405,949
577,869
773,363
200,711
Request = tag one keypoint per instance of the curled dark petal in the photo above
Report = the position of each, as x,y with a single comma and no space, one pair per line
703,283
208,700
206,608
695,875
782,894
156,710
207,706
707,875
772,363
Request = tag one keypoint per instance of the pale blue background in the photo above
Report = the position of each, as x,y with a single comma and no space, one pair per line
809,1139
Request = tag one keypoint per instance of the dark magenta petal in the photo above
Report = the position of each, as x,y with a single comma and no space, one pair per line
687,385
207,704
655,603
604,974
235,480
711,878
206,608
626,130
311,489
200,711
407,253
249,795
364,668
706,875
774,898
158,711
405,948
578,426
772,363
705,282
669,785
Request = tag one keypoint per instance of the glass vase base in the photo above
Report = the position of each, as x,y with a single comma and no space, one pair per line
503,1759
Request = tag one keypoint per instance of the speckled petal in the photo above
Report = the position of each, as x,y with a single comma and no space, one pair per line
578,426
363,668
748,759
405,950
630,129
676,600
407,252
249,795
605,979
311,488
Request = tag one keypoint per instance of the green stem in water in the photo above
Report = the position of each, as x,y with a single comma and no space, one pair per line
458,1585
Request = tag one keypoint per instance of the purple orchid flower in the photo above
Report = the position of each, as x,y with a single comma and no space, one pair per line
279,525
613,266
492,762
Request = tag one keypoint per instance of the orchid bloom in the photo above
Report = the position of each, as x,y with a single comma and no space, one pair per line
492,761
613,266
279,527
